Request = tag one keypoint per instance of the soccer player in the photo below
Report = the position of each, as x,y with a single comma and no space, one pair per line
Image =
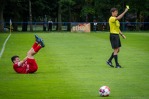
114,35
28,64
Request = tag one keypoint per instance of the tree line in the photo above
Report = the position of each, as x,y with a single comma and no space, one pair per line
28,11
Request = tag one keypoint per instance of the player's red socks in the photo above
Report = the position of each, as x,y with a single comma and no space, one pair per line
36,47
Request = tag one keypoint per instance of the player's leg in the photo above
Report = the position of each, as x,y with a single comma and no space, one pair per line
39,41
32,65
31,53
36,47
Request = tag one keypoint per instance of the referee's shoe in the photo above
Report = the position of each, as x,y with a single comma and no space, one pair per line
110,64
118,66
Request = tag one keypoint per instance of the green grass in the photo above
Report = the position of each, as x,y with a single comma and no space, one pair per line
72,66
2,39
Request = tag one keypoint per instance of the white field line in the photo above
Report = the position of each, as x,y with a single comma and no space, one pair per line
3,48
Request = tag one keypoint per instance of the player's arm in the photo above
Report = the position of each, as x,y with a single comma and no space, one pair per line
22,61
123,36
121,15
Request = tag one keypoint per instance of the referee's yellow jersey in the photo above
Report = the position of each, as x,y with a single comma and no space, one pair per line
114,25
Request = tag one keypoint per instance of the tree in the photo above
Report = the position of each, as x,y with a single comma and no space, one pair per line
88,10
2,2
67,7
14,11
59,26
68,11
30,15
140,11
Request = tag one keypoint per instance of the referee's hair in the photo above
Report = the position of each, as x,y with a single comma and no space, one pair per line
113,9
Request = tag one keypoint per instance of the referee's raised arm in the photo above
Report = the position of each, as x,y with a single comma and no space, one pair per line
121,15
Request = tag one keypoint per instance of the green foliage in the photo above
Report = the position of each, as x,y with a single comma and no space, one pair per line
87,10
71,10
68,2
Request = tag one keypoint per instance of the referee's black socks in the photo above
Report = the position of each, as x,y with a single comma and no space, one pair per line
116,59
112,55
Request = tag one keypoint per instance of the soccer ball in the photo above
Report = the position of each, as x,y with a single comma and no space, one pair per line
104,91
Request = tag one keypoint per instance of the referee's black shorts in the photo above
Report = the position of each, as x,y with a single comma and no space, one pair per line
115,40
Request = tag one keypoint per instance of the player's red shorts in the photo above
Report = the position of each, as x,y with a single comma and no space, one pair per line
30,66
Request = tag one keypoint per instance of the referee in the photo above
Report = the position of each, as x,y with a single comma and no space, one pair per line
114,35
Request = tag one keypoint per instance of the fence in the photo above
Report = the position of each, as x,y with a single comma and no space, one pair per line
53,26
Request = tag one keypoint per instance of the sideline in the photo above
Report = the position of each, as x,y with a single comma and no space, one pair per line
3,48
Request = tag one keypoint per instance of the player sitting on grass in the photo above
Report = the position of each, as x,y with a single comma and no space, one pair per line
114,35
28,64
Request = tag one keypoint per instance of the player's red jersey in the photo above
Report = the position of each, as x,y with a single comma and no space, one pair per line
29,66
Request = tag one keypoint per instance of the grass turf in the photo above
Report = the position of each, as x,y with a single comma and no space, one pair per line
72,66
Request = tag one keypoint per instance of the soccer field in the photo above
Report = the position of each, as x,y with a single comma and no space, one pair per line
73,66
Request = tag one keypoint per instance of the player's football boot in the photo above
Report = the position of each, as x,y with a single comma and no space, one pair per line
110,64
37,39
42,43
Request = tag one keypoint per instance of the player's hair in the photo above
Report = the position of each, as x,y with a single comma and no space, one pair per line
113,9
14,57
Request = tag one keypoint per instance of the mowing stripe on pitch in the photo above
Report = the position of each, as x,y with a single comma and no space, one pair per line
3,48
